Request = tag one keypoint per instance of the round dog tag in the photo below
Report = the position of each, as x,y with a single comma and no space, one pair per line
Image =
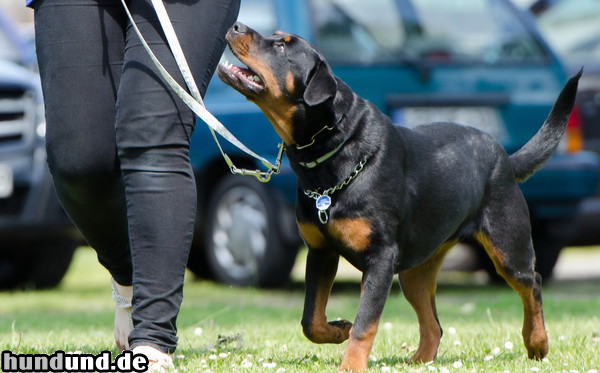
323,203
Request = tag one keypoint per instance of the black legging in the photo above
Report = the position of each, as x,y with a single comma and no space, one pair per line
118,140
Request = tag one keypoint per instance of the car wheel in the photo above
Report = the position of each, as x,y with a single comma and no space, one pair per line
197,258
244,242
35,265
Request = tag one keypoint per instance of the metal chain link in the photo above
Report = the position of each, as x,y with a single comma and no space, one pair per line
323,199
314,194
262,176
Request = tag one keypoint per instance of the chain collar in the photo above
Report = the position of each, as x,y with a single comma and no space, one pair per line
323,158
326,128
323,199
327,155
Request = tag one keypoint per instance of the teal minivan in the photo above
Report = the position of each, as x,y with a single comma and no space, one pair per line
477,62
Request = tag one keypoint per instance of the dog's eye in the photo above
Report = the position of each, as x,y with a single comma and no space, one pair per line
280,47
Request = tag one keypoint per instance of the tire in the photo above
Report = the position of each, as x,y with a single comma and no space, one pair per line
197,258
244,239
40,265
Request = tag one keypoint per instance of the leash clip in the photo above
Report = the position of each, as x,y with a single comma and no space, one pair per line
262,176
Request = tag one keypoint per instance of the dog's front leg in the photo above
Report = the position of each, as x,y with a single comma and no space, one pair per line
376,284
321,267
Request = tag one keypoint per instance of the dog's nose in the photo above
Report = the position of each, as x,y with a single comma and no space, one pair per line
239,28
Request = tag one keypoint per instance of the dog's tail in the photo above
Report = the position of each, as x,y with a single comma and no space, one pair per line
540,147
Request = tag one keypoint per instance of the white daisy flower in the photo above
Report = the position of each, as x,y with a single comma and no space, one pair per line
246,364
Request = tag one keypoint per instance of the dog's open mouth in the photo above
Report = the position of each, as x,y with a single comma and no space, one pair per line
241,78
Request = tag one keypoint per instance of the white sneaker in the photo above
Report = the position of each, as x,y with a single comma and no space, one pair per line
122,296
158,361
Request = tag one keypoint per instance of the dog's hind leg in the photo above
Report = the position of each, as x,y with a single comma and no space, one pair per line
419,285
506,237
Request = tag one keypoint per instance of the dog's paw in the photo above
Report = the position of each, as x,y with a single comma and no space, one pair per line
332,332
538,351
349,367
536,343
343,327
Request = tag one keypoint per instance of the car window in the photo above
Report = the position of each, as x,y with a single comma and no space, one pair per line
573,29
382,31
357,30
259,14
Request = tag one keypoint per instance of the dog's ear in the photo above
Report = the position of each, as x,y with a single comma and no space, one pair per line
320,86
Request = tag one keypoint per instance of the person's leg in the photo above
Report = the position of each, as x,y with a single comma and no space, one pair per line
153,133
80,46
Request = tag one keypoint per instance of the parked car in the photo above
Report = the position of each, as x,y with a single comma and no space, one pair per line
13,45
36,238
572,28
483,65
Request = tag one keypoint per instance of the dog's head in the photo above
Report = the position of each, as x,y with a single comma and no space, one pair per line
285,76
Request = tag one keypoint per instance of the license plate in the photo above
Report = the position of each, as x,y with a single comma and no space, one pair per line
484,118
6,181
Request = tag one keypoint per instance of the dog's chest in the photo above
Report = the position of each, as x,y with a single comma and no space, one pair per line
350,236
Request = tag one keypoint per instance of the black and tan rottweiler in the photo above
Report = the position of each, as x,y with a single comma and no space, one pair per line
391,199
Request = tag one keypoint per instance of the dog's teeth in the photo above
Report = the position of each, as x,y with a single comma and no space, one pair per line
257,78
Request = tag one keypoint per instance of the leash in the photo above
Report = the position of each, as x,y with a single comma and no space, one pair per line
194,101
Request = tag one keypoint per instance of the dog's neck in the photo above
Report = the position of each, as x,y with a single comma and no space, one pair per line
331,148
320,131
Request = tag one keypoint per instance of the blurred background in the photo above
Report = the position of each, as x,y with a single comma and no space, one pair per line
493,64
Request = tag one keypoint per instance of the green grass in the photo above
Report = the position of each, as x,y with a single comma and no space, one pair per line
225,329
